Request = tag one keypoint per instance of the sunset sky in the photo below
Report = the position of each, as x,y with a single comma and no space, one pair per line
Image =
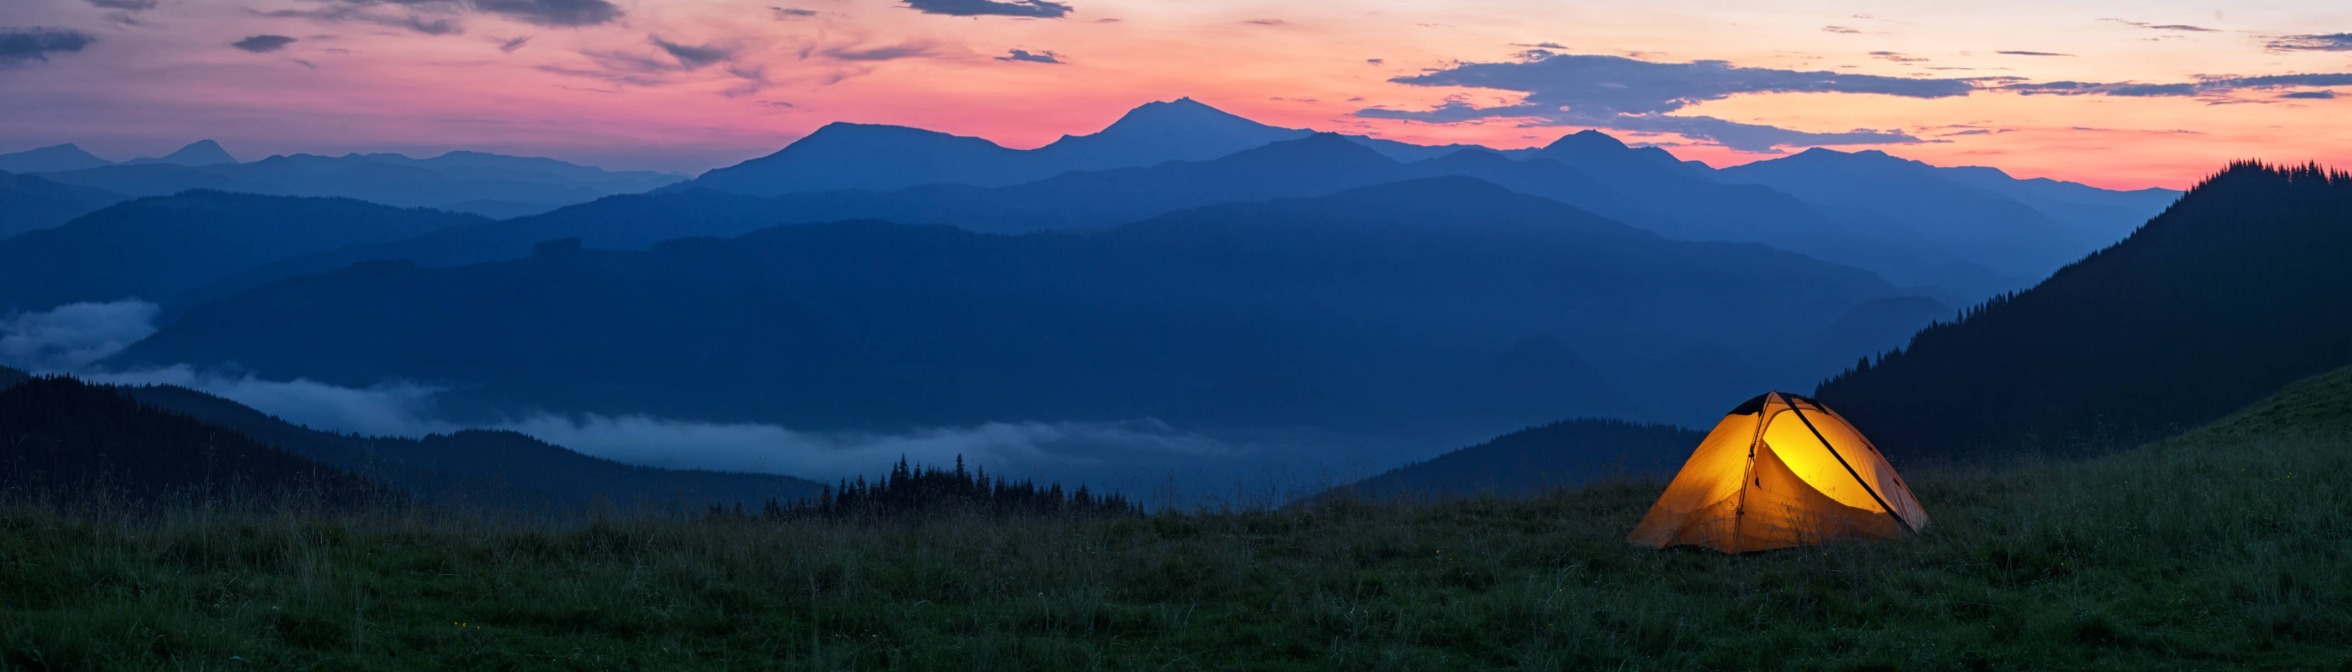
2114,93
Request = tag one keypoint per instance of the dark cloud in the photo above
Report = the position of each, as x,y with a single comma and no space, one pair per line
262,44
2310,95
1591,86
2175,27
1040,9
19,45
883,53
1736,135
2032,53
125,5
510,46
1376,61
1841,30
354,14
691,56
553,13
2329,42
790,13
1023,56
440,17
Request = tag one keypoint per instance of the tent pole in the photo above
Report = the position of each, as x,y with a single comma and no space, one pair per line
1833,452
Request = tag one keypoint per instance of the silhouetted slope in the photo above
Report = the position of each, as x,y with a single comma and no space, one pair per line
10,377
1685,202
196,154
49,159
1982,225
1312,166
449,181
71,440
488,468
30,203
1366,303
1562,454
156,248
2320,404
2238,289
846,156
1179,130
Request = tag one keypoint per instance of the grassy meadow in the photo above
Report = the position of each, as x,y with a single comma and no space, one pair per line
2227,548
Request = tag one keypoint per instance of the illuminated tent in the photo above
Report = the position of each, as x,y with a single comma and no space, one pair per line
1780,471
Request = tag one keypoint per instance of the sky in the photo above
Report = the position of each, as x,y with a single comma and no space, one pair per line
2112,93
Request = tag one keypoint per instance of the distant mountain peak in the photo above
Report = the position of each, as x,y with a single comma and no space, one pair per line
1182,115
200,153
1588,140
1330,148
52,158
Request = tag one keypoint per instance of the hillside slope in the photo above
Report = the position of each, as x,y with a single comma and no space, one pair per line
2223,552
156,248
78,442
2235,291
1536,460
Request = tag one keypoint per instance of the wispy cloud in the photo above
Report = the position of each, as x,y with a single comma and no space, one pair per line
2172,27
2032,53
692,56
888,52
2327,42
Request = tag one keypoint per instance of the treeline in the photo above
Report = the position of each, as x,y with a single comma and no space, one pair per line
2237,290
922,490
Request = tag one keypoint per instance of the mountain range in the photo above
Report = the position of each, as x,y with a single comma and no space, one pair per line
472,182
1424,300
1182,265
1967,232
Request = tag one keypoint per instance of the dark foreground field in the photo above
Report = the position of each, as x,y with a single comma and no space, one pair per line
2227,548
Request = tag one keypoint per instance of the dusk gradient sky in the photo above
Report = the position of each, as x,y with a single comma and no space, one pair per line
2110,92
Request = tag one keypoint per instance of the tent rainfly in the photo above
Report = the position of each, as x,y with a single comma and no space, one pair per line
1781,471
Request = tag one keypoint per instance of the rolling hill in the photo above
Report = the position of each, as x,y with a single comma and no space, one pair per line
156,248
72,441
459,181
1558,456
29,203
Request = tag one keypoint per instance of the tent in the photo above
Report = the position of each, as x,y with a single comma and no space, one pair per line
1779,471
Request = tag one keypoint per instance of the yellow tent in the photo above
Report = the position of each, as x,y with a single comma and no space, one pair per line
1779,471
